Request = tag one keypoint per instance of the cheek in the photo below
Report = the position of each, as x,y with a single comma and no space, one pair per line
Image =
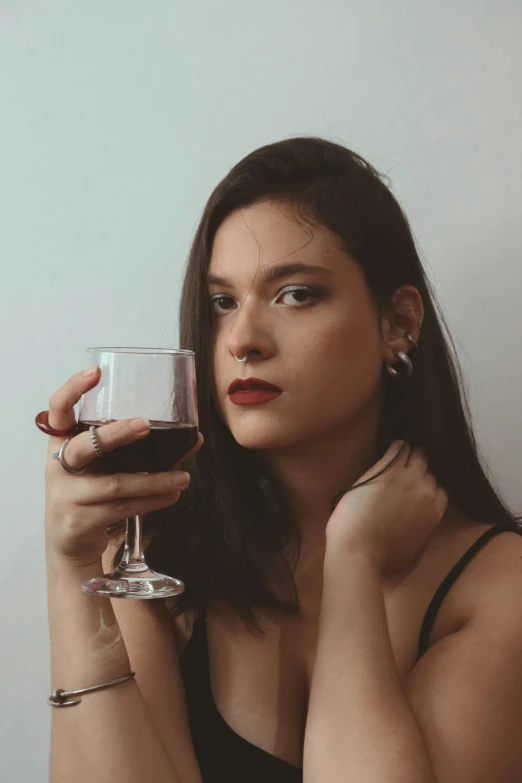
214,370
342,365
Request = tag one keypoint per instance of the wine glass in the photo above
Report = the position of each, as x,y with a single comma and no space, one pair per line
160,385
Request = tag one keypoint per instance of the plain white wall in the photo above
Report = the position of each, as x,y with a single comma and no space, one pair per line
117,120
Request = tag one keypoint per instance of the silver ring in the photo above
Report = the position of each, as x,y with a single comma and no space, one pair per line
94,441
59,455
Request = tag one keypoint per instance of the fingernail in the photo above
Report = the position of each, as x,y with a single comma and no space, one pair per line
140,425
90,371
182,480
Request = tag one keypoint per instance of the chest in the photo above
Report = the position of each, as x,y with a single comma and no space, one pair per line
261,684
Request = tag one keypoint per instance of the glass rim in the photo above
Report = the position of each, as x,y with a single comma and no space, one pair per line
136,350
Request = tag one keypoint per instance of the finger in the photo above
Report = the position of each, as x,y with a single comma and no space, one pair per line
61,404
397,453
103,489
419,459
108,513
80,450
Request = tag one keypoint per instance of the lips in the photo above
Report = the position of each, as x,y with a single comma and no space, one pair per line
239,384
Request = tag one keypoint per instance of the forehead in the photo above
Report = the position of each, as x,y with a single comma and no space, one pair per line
268,233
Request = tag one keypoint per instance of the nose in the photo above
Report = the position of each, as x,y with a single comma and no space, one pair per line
249,330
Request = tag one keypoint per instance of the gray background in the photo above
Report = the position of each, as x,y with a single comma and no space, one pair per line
118,117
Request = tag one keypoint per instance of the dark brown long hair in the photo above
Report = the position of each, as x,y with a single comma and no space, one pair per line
225,536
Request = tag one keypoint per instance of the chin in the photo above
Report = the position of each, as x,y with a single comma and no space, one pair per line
259,436
260,442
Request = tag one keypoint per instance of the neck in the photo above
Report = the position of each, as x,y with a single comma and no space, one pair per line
313,472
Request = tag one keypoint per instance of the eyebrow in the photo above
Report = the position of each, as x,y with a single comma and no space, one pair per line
276,272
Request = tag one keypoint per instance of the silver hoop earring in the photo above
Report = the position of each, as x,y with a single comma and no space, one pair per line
404,358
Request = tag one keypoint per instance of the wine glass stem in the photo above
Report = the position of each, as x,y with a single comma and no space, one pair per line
133,559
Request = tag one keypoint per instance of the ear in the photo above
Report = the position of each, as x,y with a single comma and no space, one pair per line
405,313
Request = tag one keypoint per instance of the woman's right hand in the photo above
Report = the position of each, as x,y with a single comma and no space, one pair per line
78,509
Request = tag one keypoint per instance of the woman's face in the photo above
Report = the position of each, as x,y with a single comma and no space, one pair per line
321,345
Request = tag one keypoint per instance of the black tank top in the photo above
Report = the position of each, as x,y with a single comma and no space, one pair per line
223,754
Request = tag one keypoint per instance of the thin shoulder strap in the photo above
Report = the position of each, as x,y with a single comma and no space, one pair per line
444,587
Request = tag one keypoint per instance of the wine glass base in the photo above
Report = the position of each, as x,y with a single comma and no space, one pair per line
147,584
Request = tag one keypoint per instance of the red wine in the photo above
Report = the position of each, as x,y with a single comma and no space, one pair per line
164,446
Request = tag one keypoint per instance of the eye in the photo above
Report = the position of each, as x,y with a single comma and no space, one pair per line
307,292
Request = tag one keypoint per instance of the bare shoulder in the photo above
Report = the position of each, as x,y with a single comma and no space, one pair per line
498,570
493,571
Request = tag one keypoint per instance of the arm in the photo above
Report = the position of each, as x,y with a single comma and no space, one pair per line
360,725
154,644
110,734
460,706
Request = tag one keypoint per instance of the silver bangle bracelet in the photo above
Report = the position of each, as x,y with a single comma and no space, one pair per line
59,696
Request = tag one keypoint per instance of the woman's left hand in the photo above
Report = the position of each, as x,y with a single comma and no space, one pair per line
392,517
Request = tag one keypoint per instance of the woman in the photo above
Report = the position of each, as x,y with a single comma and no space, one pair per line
318,637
